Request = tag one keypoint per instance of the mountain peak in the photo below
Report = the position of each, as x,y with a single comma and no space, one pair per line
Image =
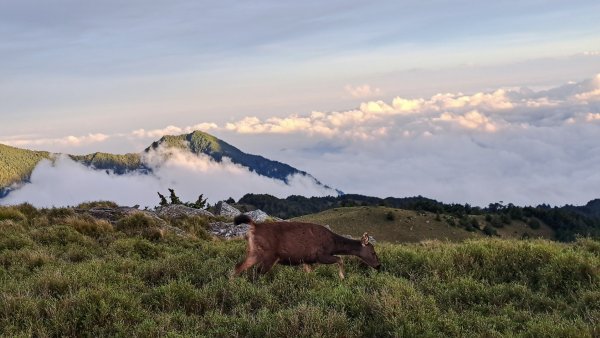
199,142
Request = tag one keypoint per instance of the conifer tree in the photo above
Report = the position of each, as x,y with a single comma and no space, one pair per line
163,199
174,198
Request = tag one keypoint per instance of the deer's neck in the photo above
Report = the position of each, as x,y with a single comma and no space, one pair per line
346,246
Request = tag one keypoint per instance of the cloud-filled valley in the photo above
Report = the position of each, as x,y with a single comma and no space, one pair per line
65,182
511,144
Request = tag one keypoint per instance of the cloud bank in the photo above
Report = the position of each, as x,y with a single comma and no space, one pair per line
364,91
511,144
66,182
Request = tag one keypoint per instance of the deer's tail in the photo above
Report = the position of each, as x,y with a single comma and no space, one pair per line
242,219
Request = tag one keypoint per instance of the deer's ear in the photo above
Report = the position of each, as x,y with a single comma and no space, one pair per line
365,239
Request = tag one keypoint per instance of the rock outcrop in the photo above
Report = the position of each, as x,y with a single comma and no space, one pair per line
228,230
221,229
226,210
258,216
179,211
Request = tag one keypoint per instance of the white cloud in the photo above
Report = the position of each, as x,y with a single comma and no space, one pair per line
591,53
593,95
408,105
66,182
364,91
478,112
593,117
470,120
515,145
172,130
496,100
61,141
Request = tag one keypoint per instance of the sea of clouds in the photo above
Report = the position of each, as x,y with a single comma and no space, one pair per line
510,144
64,182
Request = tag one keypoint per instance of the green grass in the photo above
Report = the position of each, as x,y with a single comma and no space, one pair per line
408,226
119,163
67,275
197,142
17,165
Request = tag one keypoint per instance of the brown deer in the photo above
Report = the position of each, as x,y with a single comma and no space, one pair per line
295,243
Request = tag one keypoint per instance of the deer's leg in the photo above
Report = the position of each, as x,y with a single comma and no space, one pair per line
307,268
245,265
333,260
267,264
341,268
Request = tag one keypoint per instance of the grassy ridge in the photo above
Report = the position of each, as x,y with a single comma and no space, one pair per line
17,164
404,226
567,222
119,163
63,274
202,143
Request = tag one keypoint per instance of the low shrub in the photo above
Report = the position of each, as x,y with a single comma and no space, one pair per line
14,241
88,225
60,235
56,214
77,253
490,230
142,225
195,225
11,213
496,222
28,210
390,216
534,224
136,221
97,204
28,259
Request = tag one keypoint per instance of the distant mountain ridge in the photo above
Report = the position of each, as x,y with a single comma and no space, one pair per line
16,165
202,143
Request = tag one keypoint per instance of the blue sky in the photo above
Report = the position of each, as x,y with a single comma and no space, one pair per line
72,67
312,83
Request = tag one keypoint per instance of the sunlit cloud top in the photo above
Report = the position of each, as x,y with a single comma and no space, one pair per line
71,67
462,101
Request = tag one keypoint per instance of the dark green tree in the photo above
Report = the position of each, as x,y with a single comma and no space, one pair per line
390,216
174,198
199,204
163,200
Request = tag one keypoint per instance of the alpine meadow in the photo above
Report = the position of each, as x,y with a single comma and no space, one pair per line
190,168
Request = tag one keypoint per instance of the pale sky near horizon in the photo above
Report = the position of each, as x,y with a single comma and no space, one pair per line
268,76
73,68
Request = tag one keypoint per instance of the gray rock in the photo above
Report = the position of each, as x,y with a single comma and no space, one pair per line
228,230
258,216
226,210
179,211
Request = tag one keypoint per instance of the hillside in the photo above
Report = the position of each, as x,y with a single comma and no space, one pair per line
202,143
16,165
120,164
65,273
406,226
568,222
